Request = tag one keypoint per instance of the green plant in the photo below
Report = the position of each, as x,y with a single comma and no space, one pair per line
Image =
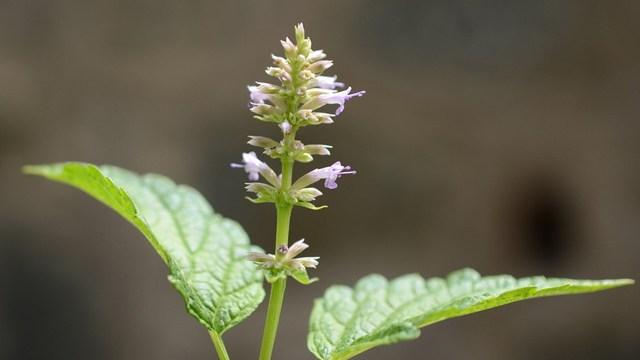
220,274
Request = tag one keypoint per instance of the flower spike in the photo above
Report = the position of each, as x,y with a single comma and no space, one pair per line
296,99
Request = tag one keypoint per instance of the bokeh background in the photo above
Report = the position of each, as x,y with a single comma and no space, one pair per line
500,135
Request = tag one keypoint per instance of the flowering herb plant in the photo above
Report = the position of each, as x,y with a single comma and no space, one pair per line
220,274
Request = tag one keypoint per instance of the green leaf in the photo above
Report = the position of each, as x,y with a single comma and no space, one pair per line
205,252
302,277
310,206
346,322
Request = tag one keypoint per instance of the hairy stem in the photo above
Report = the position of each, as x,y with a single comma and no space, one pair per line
219,345
276,297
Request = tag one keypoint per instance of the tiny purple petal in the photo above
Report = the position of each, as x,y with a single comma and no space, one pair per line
330,174
334,172
285,127
339,98
257,96
254,167
327,82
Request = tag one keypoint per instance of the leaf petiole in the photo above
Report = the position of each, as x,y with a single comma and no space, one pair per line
219,345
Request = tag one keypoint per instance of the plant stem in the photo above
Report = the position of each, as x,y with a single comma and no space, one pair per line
276,298
219,345
273,317
287,174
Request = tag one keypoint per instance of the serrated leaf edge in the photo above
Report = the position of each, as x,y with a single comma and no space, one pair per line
416,323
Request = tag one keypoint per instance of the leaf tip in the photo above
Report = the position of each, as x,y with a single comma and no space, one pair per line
32,169
45,170
625,282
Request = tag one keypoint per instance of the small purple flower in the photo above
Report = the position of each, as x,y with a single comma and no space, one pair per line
262,92
285,127
326,82
330,174
256,95
333,173
254,168
251,165
337,98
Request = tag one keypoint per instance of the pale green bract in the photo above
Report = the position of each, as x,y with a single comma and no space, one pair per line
205,252
346,322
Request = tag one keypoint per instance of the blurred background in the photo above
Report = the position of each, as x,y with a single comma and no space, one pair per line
500,135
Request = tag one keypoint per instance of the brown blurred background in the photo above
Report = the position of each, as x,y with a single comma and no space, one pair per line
500,135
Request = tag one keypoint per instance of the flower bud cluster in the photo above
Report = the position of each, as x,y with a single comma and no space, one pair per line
286,263
303,88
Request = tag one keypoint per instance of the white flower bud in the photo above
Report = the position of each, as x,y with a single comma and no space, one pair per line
316,55
320,66
304,47
295,249
268,88
305,114
274,71
289,48
261,258
324,118
256,187
303,157
263,109
317,149
261,141
281,62
299,31
308,262
307,194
